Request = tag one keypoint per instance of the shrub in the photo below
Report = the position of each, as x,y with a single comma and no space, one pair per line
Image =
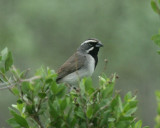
43,103
156,38
157,119
155,4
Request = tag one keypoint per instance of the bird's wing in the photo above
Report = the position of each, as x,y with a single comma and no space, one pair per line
74,63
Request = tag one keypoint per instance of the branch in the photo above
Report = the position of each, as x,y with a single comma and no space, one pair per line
30,79
36,118
18,81
7,87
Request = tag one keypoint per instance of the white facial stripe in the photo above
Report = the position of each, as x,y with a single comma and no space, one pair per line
90,49
88,41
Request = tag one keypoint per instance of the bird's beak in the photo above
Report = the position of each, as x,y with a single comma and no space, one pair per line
99,44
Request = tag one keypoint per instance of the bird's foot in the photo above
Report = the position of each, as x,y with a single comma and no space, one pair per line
76,89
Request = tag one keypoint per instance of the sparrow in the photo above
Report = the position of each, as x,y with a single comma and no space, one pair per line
81,64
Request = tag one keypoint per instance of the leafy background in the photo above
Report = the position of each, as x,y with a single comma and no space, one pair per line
48,32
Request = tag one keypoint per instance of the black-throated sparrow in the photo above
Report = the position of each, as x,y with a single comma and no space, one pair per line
80,64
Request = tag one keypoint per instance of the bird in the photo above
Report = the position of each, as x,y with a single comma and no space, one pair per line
81,64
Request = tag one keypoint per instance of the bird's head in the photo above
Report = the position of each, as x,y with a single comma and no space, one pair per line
90,46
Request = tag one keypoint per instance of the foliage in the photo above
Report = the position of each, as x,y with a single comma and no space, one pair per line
48,32
41,102
156,8
157,119
156,39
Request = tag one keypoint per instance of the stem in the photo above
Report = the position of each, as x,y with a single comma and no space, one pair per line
40,101
36,118
84,108
30,79
67,125
10,85
39,105
105,65
7,87
5,77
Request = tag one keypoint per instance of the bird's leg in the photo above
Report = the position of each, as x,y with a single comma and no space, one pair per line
76,89
68,85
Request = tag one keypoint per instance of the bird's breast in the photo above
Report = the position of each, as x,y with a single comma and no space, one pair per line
85,71
90,65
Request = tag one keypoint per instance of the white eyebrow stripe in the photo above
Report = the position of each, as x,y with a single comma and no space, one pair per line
88,41
90,49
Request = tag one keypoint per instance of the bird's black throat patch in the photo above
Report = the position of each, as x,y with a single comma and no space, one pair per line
94,54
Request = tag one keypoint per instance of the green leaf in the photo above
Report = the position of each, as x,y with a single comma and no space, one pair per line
146,127
129,105
0,57
89,86
12,122
128,96
88,83
31,87
156,39
155,6
111,119
41,72
20,120
15,72
138,124
51,73
114,102
54,87
63,104
25,87
131,111
89,111
120,104
2,70
157,93
82,86
24,73
30,109
53,112
42,95
4,54
61,91
80,114
19,107
107,91
9,61
48,80
15,91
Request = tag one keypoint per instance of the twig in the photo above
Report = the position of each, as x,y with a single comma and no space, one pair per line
14,69
7,87
26,72
22,80
5,83
67,125
104,107
105,64
84,110
98,90
5,77
36,118
30,79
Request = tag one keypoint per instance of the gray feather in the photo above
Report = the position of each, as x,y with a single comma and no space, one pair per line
74,63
